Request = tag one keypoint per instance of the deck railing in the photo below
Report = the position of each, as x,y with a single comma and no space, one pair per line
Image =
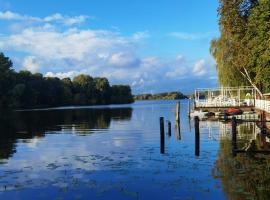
259,104
220,103
263,105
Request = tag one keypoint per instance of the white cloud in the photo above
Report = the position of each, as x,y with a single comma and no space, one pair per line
200,68
124,60
66,19
71,44
69,74
141,35
57,17
30,64
8,15
67,52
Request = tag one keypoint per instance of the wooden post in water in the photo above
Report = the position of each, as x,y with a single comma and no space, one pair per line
177,112
234,136
162,136
169,128
197,135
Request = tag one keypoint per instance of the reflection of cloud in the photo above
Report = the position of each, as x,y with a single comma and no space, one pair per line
33,143
118,142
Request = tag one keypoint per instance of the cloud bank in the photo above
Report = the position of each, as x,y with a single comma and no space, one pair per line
68,51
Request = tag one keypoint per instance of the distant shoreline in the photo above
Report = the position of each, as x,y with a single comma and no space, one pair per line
161,96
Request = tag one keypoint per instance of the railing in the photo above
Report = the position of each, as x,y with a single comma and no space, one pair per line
221,103
262,105
259,104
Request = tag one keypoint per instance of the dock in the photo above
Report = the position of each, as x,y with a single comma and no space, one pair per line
245,98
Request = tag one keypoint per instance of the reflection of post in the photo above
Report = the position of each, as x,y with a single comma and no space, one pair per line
197,136
177,112
162,136
234,136
189,124
178,131
169,128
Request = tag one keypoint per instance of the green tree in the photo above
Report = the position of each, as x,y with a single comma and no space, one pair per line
67,91
102,88
257,40
84,89
230,49
121,94
27,90
6,80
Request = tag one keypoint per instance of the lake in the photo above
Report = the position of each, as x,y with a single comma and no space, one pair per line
113,152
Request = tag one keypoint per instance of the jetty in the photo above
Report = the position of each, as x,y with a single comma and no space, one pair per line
220,99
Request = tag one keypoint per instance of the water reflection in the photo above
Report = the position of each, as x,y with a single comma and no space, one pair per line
115,154
246,175
35,124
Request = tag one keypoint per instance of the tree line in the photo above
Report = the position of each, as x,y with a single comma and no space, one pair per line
21,90
242,51
161,96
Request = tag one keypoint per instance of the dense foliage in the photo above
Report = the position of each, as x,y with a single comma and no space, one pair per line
166,95
26,90
242,51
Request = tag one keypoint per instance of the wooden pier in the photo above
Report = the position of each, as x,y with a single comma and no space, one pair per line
219,99
225,97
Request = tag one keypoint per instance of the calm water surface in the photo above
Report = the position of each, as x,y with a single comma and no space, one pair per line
113,152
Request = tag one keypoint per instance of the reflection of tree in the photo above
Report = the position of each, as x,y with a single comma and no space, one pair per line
7,137
244,176
27,125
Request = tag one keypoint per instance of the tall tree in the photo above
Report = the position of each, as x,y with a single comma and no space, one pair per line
6,80
257,40
230,50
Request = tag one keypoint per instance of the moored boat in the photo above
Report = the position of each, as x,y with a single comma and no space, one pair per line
201,114
234,111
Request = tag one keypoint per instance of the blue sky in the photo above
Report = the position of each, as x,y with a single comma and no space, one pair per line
153,45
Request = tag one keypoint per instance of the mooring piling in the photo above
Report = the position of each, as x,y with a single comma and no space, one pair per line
177,112
197,135
169,128
162,136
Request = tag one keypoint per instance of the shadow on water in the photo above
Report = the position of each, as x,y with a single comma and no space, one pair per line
30,124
